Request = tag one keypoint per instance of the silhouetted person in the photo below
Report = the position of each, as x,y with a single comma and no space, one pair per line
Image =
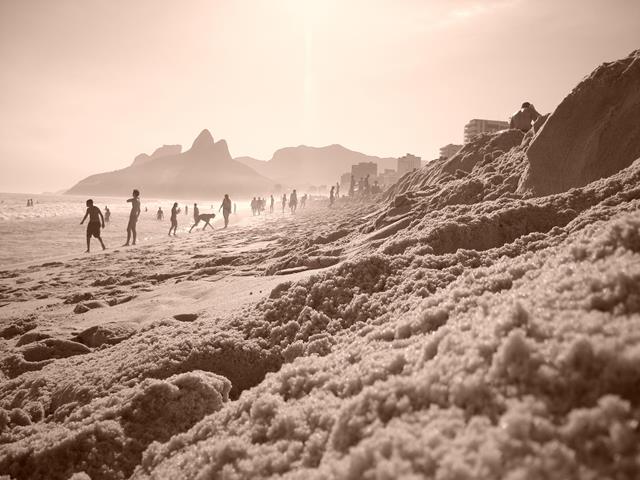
293,201
272,201
186,209
196,216
95,220
337,190
303,201
284,201
331,196
160,214
524,117
133,217
107,214
254,206
226,209
174,218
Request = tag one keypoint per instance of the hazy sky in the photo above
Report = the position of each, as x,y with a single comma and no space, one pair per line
85,85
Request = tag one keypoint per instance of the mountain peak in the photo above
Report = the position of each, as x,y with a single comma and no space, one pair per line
204,140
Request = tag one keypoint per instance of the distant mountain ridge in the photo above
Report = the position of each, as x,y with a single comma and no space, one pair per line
163,151
208,170
303,165
205,170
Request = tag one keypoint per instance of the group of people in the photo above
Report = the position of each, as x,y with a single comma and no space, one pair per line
293,201
30,202
259,204
364,187
97,220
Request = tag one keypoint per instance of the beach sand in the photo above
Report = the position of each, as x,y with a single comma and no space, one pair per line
462,326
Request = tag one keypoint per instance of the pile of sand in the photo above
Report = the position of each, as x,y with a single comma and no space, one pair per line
593,133
467,329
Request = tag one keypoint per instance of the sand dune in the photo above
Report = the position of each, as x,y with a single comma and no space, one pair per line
461,327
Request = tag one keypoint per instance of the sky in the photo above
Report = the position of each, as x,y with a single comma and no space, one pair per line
86,85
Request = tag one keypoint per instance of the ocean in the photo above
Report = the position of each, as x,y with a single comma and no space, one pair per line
51,228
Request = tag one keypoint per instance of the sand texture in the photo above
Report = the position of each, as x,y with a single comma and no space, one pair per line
462,326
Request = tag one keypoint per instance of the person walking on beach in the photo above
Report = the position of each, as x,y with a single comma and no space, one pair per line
93,227
253,206
226,209
272,201
160,214
524,117
196,216
107,214
186,209
133,217
174,218
331,196
293,201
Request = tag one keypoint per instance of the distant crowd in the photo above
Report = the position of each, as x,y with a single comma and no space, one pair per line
521,120
259,204
97,219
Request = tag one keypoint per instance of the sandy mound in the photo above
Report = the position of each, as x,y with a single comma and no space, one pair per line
593,133
461,330
106,437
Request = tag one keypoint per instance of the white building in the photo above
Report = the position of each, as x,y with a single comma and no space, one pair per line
478,125
449,151
408,163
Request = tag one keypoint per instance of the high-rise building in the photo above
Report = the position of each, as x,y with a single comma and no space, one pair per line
477,126
449,151
345,181
362,169
408,163
388,177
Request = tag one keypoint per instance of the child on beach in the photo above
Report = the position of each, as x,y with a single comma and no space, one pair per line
95,220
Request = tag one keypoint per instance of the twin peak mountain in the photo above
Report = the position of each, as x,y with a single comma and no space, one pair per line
207,170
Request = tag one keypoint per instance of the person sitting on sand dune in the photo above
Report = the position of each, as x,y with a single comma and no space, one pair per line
524,117
93,227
